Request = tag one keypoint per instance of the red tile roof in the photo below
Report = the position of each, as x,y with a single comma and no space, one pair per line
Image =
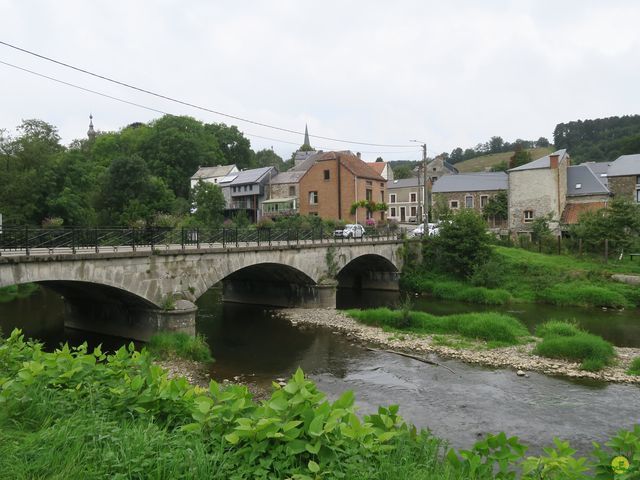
377,166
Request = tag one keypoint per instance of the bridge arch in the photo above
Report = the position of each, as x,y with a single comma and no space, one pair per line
369,271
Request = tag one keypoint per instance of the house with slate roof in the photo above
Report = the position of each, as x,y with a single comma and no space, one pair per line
586,192
623,177
436,168
404,199
246,190
470,190
212,174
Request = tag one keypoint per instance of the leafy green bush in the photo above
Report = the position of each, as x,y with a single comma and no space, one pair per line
481,326
593,351
634,367
177,344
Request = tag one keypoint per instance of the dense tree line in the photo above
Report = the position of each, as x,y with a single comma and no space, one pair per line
599,140
494,145
136,176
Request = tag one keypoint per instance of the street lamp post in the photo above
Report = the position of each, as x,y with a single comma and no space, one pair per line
425,195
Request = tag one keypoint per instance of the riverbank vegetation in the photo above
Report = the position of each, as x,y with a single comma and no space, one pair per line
494,328
168,345
13,292
634,367
73,413
565,341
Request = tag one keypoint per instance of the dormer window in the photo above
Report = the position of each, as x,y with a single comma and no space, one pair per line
578,186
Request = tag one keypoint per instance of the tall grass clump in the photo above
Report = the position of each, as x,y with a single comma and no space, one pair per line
490,327
456,290
167,345
567,342
634,367
577,293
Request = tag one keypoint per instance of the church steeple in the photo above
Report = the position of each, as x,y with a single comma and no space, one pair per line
91,133
306,137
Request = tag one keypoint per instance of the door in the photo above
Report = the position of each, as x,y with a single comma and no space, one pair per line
402,214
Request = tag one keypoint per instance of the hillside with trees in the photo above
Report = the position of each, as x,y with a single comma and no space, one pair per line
139,175
599,140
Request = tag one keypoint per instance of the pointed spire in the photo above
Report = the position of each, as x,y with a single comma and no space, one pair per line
306,136
91,133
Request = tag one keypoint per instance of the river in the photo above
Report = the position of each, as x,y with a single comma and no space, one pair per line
258,345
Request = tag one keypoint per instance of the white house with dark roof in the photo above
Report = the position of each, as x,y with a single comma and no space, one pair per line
212,174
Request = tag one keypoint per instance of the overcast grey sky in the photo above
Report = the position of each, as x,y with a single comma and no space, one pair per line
450,73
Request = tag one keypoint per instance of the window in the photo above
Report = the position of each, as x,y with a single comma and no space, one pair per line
392,198
381,184
246,187
327,175
215,180
369,195
234,189
637,179
393,211
413,197
453,204
433,169
483,200
413,211
369,183
292,191
313,198
528,216
468,201
433,179
637,196
382,196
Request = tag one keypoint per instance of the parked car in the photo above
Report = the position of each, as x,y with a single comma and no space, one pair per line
352,230
419,230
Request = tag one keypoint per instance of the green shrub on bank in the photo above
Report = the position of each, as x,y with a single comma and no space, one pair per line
13,292
454,290
490,327
634,367
78,414
569,343
166,345
574,293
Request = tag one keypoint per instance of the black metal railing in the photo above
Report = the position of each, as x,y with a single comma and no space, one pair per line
99,239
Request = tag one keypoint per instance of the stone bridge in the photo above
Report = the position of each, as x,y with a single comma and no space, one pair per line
135,293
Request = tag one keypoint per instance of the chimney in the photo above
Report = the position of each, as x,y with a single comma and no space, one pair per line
553,161
358,154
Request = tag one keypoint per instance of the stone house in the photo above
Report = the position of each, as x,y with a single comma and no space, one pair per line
404,199
623,177
334,182
436,168
470,190
538,189
283,192
212,174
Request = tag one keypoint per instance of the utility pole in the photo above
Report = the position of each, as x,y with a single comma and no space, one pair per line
425,191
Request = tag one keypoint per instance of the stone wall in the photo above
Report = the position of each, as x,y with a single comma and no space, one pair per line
535,190
623,187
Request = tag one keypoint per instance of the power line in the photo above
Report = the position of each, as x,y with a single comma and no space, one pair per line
139,105
188,104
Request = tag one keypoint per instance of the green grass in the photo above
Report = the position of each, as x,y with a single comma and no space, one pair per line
13,292
484,162
565,341
518,275
167,345
634,367
490,327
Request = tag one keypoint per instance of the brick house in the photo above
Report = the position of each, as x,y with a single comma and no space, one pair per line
469,190
538,189
624,177
404,197
337,180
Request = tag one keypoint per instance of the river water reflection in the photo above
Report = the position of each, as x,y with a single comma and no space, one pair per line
259,346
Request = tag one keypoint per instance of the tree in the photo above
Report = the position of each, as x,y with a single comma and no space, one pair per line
462,244
497,207
519,157
496,144
456,155
542,142
235,147
268,158
208,203
402,171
